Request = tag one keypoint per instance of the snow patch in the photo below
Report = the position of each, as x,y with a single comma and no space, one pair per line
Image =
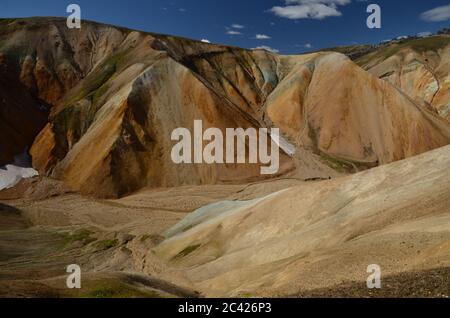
287,147
212,213
10,175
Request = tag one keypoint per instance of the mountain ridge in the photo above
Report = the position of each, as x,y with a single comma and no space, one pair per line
125,91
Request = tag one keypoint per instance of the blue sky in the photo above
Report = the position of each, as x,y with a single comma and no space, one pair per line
290,26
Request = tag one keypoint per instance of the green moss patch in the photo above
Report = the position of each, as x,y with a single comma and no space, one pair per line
155,239
81,107
107,244
95,84
347,166
337,164
188,250
82,235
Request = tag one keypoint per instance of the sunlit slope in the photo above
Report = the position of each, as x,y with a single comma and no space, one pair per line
319,235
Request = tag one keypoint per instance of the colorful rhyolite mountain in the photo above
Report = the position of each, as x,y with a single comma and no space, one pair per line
95,107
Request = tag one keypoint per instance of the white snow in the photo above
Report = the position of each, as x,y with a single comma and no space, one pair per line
10,175
212,213
287,147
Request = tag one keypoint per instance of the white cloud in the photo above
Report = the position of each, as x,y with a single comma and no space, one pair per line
309,9
424,34
304,46
262,37
437,14
205,41
237,26
267,48
234,29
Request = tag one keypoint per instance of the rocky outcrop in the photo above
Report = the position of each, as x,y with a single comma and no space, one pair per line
360,120
419,67
22,115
